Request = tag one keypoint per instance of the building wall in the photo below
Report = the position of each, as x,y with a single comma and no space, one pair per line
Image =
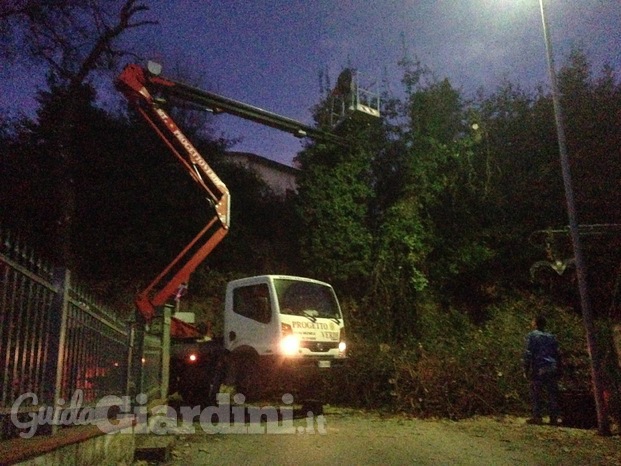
281,178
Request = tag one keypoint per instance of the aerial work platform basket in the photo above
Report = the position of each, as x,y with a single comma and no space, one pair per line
352,97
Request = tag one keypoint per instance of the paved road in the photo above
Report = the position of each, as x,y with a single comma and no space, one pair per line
344,438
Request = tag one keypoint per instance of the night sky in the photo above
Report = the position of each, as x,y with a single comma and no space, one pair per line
268,53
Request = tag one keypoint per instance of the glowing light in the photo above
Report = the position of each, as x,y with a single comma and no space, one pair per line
290,345
342,346
192,357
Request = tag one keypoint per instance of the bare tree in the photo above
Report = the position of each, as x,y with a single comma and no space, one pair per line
73,39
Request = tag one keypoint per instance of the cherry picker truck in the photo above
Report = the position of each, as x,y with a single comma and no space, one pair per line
271,322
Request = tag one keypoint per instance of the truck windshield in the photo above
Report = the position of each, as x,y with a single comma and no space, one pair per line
306,299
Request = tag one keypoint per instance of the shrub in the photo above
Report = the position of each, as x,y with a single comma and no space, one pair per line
364,381
457,369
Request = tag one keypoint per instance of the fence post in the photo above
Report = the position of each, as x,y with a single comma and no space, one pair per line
165,352
57,335
135,356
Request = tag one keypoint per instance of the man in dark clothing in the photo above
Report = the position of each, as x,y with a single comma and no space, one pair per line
542,366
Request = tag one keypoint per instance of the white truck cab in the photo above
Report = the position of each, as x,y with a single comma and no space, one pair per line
276,327
290,318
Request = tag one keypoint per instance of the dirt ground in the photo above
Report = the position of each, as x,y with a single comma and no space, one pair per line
347,436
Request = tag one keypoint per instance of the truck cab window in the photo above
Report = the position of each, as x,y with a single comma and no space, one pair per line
253,302
307,299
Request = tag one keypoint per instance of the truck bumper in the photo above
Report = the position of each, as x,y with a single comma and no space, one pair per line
315,362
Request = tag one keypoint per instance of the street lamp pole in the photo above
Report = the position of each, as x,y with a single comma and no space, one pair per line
587,316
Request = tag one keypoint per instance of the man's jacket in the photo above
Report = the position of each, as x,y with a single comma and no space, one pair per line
541,356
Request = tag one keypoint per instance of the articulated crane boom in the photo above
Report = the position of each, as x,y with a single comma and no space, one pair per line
144,89
139,87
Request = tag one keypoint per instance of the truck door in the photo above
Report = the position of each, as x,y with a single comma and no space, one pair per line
253,321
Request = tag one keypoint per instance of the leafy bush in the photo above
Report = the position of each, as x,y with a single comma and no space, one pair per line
364,381
457,369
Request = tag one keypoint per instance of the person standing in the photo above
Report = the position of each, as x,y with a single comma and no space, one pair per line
542,367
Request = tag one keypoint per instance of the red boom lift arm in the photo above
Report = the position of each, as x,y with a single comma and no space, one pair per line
138,86
142,89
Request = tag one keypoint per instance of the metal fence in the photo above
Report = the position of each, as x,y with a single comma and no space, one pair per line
58,344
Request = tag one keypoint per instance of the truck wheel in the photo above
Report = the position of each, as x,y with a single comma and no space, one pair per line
247,376
200,388
216,380
312,407
190,397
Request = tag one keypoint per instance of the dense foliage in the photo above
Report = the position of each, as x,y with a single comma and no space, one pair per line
465,199
466,218
442,225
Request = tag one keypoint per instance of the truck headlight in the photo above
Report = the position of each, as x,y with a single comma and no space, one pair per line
342,346
290,345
